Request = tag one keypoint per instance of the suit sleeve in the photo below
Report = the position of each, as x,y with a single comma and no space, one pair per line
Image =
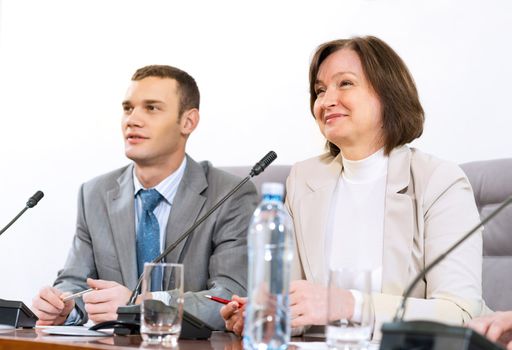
453,288
79,263
228,260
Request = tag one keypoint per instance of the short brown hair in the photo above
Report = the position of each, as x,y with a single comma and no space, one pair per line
403,115
187,87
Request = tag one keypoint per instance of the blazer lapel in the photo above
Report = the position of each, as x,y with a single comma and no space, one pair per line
120,207
186,207
398,223
313,215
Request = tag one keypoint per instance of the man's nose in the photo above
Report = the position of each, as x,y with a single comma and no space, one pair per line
133,118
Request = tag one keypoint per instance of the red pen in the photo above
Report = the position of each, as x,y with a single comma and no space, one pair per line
219,300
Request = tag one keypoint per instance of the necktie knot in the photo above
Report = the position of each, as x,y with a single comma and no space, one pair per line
150,199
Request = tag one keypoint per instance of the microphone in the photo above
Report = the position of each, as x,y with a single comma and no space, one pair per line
32,201
420,334
16,313
192,328
259,167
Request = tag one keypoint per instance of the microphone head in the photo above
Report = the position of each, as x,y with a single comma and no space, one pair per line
263,163
32,201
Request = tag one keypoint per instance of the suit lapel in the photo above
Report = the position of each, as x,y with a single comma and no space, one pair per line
398,223
120,207
313,215
186,207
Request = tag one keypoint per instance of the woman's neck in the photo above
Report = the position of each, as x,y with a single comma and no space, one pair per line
367,169
358,152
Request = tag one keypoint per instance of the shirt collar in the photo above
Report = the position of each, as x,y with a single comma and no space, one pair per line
168,187
365,170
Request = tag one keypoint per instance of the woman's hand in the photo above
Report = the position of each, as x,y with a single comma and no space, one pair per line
308,304
496,327
233,314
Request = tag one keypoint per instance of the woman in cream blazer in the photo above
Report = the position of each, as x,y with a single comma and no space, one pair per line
429,205
407,209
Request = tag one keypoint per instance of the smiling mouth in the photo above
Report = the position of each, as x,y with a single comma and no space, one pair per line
333,116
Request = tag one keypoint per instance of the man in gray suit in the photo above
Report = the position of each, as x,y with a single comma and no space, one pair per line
161,110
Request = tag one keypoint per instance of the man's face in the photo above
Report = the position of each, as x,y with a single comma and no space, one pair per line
151,124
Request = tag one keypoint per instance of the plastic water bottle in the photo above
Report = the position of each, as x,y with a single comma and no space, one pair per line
270,248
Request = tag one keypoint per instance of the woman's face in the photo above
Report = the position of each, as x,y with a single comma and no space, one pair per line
347,109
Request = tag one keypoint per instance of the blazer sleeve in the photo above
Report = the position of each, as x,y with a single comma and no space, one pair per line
228,259
453,292
80,262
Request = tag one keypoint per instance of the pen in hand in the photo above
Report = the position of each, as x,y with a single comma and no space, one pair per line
220,300
77,295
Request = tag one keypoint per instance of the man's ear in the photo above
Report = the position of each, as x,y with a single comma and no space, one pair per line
189,120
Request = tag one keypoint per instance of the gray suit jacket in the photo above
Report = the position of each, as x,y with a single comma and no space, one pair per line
214,256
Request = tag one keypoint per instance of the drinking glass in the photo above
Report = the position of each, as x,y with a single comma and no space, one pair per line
162,303
355,333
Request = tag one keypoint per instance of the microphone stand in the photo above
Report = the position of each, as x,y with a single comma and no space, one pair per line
427,335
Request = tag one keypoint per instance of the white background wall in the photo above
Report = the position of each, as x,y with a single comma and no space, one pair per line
65,65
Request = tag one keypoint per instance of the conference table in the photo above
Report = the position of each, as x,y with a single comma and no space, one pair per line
36,339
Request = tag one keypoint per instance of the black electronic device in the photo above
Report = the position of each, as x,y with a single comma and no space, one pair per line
16,313
128,320
426,335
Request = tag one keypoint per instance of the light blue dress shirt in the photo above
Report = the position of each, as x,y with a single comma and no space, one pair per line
168,188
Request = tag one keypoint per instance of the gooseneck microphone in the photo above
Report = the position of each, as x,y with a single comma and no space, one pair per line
16,313
434,335
263,164
257,169
32,201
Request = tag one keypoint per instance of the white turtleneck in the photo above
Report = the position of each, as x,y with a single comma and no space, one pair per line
355,228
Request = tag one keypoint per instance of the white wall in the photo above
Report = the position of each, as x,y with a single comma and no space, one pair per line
65,65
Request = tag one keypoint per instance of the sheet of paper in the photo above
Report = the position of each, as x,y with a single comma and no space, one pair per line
77,331
6,327
312,345
315,345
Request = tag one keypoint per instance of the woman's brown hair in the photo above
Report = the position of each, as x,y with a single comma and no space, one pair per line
402,114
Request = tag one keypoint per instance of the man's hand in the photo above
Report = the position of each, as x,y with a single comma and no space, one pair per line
497,327
233,314
101,304
308,304
49,307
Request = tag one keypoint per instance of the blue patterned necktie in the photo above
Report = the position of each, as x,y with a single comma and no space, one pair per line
148,230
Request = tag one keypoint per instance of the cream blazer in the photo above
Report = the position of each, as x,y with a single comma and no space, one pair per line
429,205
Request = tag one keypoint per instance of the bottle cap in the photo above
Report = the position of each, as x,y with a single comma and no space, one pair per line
273,189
